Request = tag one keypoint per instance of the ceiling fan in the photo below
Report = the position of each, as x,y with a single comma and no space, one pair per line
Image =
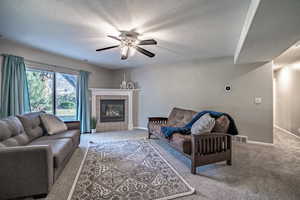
129,40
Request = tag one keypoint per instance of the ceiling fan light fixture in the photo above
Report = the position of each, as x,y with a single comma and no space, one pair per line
124,52
136,42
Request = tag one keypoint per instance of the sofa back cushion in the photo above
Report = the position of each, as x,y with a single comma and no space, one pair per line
180,117
12,133
32,124
221,125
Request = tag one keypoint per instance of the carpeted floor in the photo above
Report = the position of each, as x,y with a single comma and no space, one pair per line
258,171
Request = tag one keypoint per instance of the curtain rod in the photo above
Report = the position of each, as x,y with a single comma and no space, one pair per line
51,65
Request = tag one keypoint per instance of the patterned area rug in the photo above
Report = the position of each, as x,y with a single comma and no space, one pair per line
127,170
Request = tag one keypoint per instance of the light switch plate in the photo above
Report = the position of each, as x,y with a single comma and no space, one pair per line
258,100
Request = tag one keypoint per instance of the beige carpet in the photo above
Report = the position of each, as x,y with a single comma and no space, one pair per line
258,171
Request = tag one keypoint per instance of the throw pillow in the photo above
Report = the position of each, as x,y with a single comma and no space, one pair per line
203,125
53,124
221,125
32,124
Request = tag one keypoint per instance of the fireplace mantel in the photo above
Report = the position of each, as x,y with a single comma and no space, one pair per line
114,92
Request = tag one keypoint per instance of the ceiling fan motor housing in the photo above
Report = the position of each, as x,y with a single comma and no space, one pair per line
129,38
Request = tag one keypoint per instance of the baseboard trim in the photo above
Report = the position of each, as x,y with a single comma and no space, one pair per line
286,131
140,127
260,143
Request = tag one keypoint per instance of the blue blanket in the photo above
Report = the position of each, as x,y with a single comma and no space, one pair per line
168,131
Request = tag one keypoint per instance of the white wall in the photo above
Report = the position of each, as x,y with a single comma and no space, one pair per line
287,98
100,77
199,85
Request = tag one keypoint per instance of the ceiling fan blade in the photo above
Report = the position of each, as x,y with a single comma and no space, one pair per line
107,48
114,37
144,51
147,42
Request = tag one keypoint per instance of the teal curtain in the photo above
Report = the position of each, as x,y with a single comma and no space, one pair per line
14,87
83,102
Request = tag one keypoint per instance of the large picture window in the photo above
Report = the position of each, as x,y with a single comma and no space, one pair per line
53,92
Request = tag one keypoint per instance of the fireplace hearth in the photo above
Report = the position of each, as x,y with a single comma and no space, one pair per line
112,110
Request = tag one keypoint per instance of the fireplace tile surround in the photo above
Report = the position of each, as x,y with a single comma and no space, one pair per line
128,96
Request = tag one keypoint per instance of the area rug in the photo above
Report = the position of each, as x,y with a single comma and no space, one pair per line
127,170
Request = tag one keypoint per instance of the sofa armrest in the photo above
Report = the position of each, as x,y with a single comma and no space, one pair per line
73,125
209,143
153,122
25,171
158,120
210,148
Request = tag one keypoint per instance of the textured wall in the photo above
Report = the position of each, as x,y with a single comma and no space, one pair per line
200,85
287,98
100,77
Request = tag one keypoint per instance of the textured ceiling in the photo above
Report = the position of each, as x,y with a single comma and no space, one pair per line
189,29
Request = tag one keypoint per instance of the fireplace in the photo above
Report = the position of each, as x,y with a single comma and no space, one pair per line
106,120
112,110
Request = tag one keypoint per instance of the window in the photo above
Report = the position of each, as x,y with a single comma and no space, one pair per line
40,84
65,105
52,92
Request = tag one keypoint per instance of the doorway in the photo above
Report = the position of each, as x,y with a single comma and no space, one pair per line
286,91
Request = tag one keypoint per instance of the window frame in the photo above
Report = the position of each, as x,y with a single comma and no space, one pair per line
31,68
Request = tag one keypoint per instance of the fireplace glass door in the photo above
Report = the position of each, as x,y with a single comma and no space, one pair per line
112,110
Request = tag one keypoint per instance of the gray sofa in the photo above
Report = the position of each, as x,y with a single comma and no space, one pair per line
30,160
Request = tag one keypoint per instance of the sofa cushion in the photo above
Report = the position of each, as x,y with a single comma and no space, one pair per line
53,124
61,148
12,133
221,125
74,135
203,125
182,143
180,117
32,124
